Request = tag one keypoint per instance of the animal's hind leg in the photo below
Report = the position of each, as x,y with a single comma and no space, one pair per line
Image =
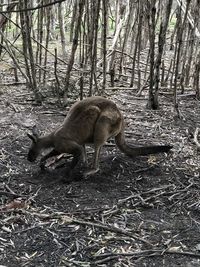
101,134
95,165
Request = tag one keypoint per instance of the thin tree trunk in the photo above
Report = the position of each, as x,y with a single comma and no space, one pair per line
48,18
177,59
105,18
3,21
62,29
75,42
73,21
94,48
196,77
27,49
152,26
161,42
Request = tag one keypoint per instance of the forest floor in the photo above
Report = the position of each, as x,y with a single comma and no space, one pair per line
134,212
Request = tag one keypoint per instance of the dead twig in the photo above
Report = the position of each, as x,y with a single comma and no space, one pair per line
146,253
196,138
9,194
112,229
66,219
116,208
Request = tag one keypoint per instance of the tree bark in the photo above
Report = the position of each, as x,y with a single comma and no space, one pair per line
62,29
75,42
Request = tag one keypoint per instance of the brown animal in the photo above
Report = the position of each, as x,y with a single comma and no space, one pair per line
92,120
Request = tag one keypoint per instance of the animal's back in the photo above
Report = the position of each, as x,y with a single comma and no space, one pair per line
99,101
83,116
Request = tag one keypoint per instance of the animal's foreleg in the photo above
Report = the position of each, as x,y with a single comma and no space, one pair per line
47,156
85,161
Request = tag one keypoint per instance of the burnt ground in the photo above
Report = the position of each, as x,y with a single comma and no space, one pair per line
134,212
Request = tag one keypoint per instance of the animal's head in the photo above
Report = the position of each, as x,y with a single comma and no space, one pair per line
35,146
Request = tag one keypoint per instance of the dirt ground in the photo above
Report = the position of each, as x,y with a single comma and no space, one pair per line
134,212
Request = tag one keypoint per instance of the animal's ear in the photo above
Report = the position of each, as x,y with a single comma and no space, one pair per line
32,137
35,131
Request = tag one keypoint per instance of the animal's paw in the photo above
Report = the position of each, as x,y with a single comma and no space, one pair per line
42,166
90,172
85,163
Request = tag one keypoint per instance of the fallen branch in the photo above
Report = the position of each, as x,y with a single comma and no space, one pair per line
9,194
196,137
111,228
115,209
67,219
12,83
146,253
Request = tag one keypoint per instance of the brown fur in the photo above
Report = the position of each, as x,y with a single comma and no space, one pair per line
92,120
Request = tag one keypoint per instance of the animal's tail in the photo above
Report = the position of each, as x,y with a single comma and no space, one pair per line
138,151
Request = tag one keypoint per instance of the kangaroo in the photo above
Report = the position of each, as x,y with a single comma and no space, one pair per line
92,120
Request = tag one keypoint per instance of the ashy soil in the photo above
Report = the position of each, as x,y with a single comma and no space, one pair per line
134,212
